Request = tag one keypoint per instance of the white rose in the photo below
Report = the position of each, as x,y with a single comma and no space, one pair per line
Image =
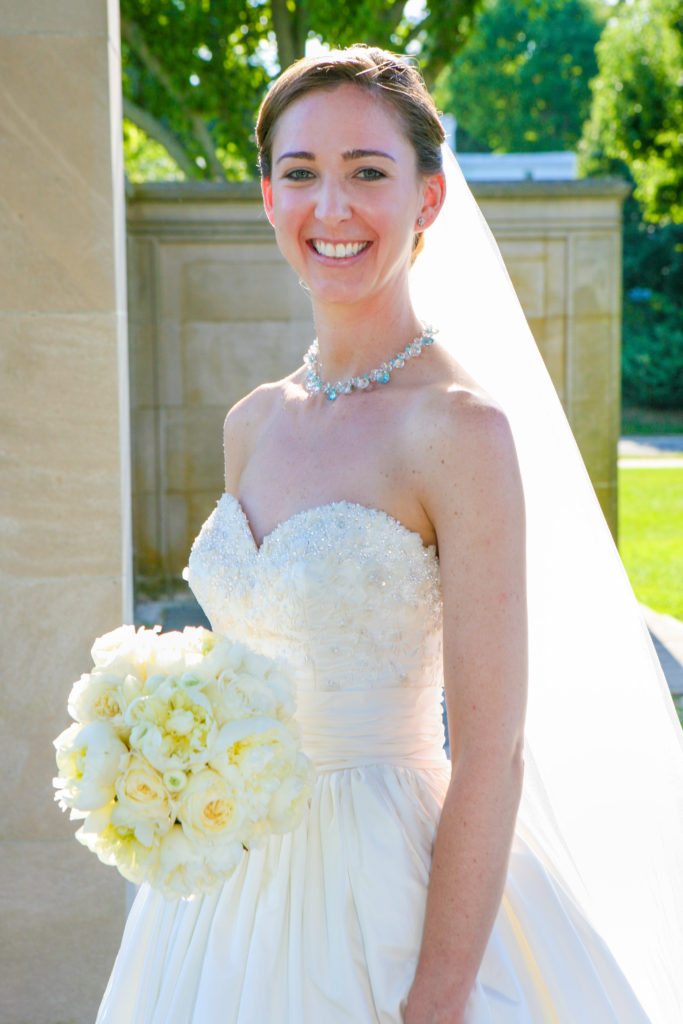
143,803
209,808
89,758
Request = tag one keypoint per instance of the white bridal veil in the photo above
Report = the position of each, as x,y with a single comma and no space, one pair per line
603,791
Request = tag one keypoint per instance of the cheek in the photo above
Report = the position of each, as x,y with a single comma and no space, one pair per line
288,215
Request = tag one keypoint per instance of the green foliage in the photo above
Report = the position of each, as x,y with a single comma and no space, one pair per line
653,254
652,352
637,109
521,82
195,71
192,74
146,159
634,130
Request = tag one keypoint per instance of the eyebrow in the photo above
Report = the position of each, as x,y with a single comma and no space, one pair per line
351,154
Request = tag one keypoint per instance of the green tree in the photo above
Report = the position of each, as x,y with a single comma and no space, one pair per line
194,71
521,82
635,130
636,118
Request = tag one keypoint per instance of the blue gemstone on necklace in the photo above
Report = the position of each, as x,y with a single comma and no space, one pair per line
385,378
331,394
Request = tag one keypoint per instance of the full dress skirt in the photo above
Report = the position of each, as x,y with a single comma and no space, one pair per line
323,925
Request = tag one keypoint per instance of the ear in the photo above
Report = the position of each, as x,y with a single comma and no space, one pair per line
433,197
267,193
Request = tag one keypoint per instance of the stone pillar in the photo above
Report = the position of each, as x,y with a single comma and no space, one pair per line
65,564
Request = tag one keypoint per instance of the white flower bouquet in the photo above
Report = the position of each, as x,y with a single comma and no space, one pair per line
183,754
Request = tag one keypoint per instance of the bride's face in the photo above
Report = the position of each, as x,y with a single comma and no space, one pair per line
345,174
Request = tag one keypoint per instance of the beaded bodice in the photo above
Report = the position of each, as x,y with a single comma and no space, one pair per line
347,594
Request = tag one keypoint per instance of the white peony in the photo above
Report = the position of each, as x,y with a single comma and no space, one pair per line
178,653
173,728
252,743
185,869
89,758
263,752
118,845
179,866
100,696
289,801
125,650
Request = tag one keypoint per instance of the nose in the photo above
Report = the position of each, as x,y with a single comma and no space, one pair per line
332,203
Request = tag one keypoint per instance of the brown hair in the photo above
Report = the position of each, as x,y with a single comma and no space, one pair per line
387,74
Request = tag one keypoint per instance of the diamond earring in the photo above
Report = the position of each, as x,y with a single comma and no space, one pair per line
420,222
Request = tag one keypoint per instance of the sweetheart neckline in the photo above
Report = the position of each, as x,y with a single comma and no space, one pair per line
427,548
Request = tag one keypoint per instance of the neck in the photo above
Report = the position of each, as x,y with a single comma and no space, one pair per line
353,340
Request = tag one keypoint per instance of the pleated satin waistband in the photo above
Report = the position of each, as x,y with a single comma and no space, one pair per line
394,725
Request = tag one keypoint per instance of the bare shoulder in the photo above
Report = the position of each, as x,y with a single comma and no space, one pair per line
243,423
469,471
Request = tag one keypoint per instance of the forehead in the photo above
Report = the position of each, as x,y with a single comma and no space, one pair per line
345,116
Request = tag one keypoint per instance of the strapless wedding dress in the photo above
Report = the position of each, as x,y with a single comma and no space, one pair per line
323,925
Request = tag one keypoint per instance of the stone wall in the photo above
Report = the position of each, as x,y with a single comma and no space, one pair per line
65,565
214,310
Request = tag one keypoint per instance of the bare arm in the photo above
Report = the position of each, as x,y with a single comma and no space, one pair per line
240,430
473,495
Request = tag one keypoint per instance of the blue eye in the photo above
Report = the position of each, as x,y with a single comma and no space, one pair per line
373,171
298,170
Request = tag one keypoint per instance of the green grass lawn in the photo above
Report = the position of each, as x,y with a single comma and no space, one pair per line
651,535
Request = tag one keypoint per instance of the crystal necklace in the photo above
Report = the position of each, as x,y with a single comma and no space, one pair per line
381,375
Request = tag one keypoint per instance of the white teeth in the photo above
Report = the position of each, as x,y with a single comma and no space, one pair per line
338,251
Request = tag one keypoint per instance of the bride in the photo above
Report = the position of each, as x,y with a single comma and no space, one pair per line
380,527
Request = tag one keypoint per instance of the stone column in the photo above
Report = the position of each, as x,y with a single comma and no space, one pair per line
65,573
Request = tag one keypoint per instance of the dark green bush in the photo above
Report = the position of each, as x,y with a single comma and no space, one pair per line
652,351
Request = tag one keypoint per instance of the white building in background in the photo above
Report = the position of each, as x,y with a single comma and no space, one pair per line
554,166
559,166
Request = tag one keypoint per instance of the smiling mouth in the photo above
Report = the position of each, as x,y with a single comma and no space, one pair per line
337,250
